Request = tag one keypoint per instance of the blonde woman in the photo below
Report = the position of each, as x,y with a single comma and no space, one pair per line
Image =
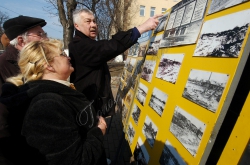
58,123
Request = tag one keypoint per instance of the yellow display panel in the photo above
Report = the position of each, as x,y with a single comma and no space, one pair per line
182,108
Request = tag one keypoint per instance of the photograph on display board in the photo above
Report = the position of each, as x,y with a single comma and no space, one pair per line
217,5
142,49
134,50
162,23
126,62
222,37
124,113
129,98
141,94
130,133
169,67
149,130
124,74
136,114
148,70
205,88
128,77
158,101
170,156
131,64
187,129
184,23
154,45
140,155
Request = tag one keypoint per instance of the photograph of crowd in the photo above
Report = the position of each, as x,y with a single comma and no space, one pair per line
149,130
158,101
222,37
169,67
187,129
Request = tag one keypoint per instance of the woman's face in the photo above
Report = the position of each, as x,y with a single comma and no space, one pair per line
62,66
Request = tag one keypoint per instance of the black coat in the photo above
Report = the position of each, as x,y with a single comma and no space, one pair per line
57,122
91,75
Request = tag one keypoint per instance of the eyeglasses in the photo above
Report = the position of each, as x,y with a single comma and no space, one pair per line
40,34
63,54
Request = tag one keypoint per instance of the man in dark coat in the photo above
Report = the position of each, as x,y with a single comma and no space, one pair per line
20,31
89,57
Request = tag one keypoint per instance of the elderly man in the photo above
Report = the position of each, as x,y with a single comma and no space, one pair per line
89,57
20,31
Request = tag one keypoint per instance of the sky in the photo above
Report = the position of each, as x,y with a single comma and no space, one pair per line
34,8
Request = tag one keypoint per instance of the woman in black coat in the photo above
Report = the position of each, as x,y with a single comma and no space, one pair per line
58,125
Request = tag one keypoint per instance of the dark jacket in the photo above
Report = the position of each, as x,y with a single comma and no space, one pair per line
8,64
57,122
91,75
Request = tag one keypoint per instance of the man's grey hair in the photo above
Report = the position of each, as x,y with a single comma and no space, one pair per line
14,42
77,12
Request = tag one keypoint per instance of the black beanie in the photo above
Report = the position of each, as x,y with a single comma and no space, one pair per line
18,25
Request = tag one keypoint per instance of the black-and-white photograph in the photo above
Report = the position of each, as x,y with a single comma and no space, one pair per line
154,45
136,114
187,129
162,23
141,94
129,98
205,88
131,64
140,155
124,74
218,5
170,156
128,77
124,113
158,101
184,23
126,62
222,37
149,130
134,50
148,70
169,67
130,133
142,49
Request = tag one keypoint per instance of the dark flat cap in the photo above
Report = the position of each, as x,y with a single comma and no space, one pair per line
18,25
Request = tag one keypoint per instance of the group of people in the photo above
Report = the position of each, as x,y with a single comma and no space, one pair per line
44,118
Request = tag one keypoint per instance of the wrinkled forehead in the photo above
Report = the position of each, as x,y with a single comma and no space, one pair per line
87,16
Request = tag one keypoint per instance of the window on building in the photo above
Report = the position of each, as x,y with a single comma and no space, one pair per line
163,10
142,10
152,11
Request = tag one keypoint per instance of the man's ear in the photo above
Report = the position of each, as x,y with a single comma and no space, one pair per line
76,26
20,42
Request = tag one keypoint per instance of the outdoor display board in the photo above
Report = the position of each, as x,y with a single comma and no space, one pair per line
178,82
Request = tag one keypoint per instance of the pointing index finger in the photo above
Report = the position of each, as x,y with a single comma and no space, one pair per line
157,15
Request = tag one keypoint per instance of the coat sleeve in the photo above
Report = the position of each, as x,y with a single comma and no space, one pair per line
51,127
93,53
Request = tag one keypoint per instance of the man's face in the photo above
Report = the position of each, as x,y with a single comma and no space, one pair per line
87,25
36,34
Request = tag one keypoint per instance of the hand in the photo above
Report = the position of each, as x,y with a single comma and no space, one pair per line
150,24
102,125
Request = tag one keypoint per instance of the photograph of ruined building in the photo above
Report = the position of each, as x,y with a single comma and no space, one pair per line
154,45
205,88
136,114
148,70
222,37
149,130
187,129
130,133
141,93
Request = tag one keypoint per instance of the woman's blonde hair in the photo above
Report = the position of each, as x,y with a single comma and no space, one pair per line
33,59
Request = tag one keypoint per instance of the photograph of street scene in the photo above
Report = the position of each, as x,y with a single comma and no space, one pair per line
148,70
136,114
170,156
187,129
205,88
169,67
141,93
222,37
140,155
217,5
149,130
158,101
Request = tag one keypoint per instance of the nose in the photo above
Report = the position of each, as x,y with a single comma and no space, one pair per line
68,58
